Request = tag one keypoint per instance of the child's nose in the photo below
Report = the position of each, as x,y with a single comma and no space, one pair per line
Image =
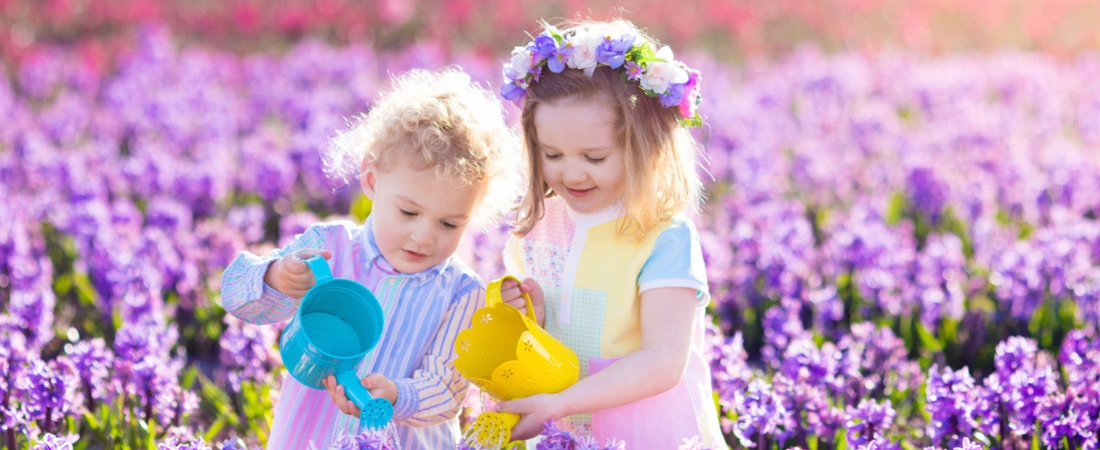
573,175
422,235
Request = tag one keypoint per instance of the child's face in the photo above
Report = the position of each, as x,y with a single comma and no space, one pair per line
418,220
579,157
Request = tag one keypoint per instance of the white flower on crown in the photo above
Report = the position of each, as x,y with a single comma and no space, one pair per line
659,75
520,65
584,44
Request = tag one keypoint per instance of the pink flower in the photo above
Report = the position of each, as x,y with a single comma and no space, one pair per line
691,92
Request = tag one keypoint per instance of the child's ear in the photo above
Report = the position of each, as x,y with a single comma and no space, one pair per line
368,175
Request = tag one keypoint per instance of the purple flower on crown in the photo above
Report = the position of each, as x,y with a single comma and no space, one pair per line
546,48
634,71
612,52
512,92
673,96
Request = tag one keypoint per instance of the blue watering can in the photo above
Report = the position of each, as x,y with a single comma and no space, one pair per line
337,323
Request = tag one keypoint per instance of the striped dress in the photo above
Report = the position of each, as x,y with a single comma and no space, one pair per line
424,312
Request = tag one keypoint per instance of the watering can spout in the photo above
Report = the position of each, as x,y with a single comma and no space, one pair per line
374,413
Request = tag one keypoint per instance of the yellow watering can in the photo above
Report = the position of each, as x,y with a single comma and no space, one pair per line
509,356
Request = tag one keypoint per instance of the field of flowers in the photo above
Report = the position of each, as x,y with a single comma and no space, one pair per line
903,250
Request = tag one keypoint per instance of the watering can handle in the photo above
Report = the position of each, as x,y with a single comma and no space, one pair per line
492,295
320,269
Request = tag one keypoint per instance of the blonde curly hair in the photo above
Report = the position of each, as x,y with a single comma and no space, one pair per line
439,120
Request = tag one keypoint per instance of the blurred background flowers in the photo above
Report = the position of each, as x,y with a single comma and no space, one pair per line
901,230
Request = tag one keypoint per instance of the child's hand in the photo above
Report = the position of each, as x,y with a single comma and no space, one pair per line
377,384
534,411
512,294
291,275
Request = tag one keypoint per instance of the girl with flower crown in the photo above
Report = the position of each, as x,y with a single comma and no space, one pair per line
602,242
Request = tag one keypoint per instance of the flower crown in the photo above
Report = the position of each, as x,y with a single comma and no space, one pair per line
657,73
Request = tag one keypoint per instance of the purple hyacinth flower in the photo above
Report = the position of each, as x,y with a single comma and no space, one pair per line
246,352
869,422
383,439
343,442
968,444
586,443
233,443
927,192
760,414
183,443
948,397
554,438
49,389
51,442
612,52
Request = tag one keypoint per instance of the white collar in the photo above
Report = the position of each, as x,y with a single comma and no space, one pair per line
611,212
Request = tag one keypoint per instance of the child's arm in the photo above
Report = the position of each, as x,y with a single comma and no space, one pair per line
246,287
667,319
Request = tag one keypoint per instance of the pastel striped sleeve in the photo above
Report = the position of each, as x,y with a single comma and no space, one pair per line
435,392
246,296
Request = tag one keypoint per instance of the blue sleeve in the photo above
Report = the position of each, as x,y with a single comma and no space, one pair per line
676,261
